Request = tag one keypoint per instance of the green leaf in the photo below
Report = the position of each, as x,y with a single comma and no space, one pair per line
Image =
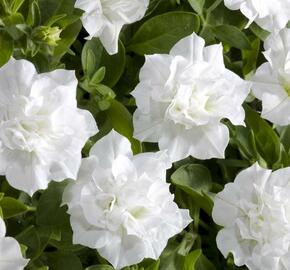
49,8
259,32
33,17
121,121
16,5
98,76
6,45
12,207
68,36
49,212
173,256
30,238
191,259
160,33
197,5
250,57
232,36
266,139
285,137
94,56
195,180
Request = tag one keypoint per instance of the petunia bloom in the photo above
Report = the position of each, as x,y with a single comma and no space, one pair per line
271,83
10,252
182,98
42,131
268,14
254,211
105,18
121,204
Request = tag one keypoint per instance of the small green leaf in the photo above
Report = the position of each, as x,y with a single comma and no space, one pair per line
94,56
12,207
232,36
98,76
259,32
121,121
160,33
6,45
16,4
33,17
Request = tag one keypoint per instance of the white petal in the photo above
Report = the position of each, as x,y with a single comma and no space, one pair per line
10,255
2,228
190,47
113,144
202,142
18,85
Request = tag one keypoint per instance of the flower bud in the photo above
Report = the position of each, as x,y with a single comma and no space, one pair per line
47,34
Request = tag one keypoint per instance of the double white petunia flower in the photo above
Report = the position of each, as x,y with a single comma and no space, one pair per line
42,131
254,211
271,15
121,204
182,98
105,18
10,252
271,83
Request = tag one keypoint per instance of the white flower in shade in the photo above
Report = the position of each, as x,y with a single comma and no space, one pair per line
255,214
268,14
182,97
271,83
10,252
121,204
105,18
42,131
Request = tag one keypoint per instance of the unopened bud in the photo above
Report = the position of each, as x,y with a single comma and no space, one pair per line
48,35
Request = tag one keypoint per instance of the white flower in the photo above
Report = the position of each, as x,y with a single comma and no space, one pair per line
42,131
271,83
105,18
121,204
182,97
10,252
255,214
268,14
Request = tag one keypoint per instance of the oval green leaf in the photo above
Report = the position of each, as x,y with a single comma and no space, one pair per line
160,33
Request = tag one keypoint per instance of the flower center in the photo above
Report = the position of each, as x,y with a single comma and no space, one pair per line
188,107
20,127
284,79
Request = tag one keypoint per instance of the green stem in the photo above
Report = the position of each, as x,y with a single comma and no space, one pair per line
214,6
31,208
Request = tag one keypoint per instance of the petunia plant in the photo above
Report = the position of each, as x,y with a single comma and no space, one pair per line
144,135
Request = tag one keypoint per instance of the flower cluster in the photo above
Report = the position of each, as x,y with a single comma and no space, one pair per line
183,96
105,18
254,211
121,204
10,252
